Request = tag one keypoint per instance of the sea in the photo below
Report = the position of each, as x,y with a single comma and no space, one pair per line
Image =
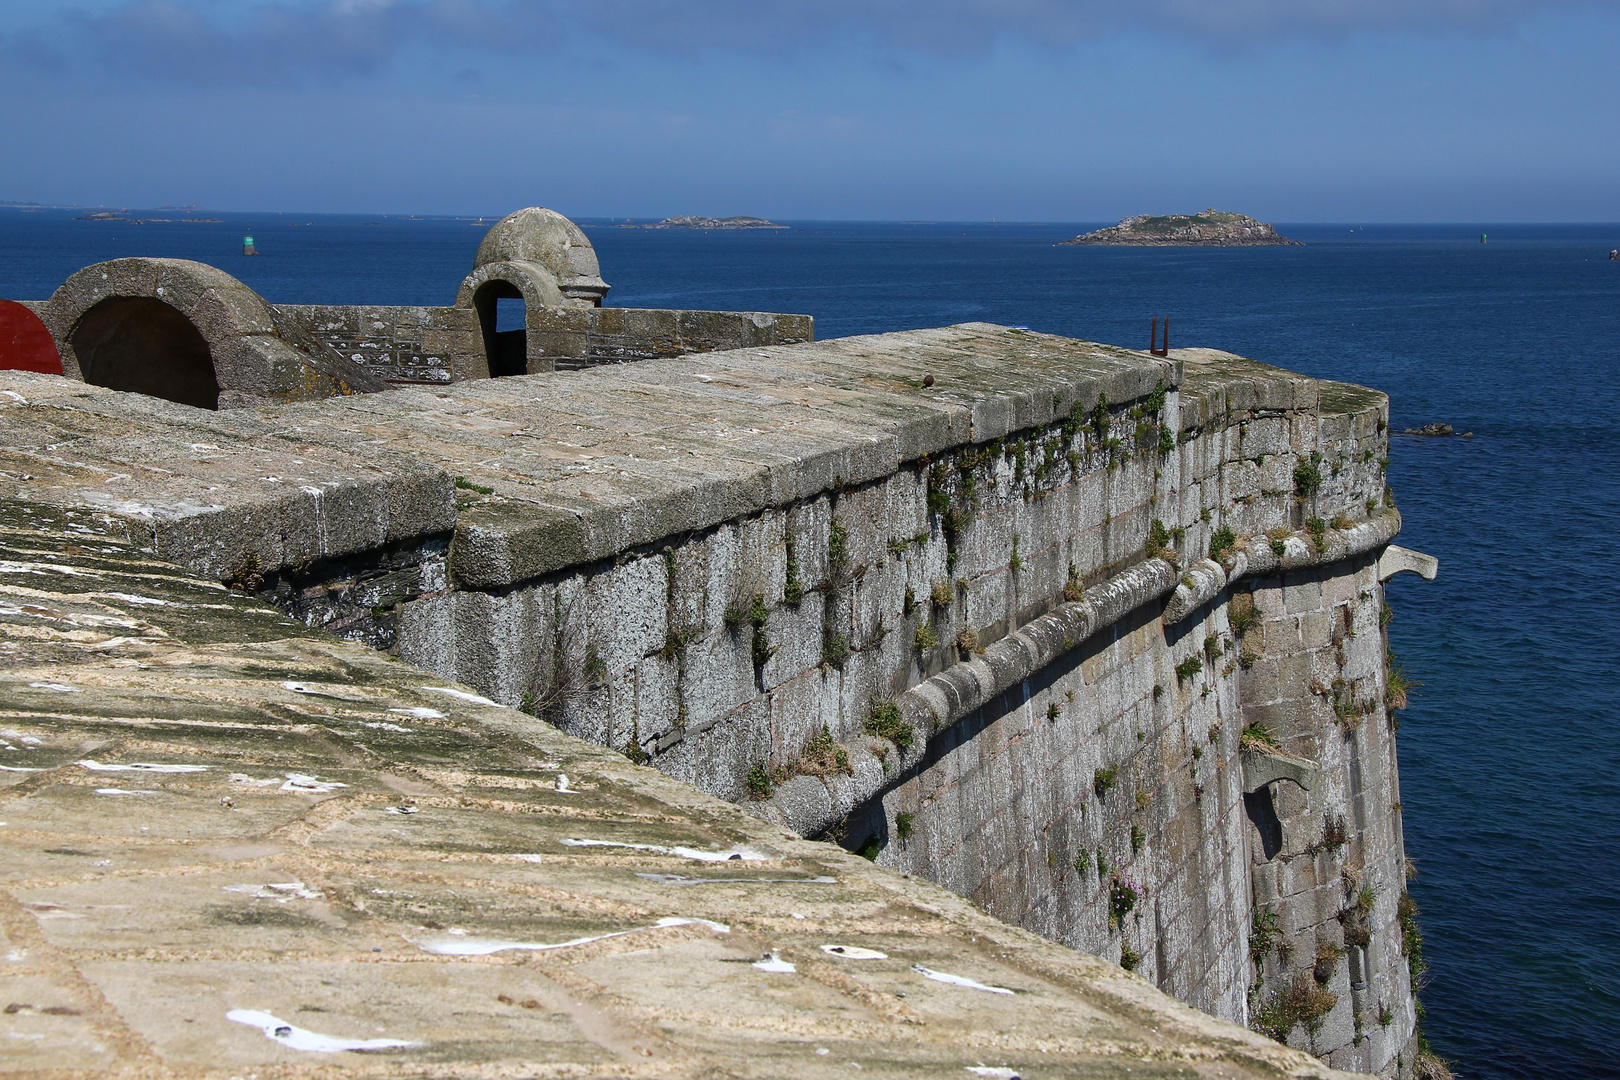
1510,749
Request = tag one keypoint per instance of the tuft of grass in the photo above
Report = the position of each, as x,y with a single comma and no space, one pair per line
1328,956
1128,957
968,640
942,593
1398,686
793,589
1082,861
1307,479
1138,839
1189,667
1342,521
838,546
904,824
1257,735
1318,531
761,648
926,638
636,754
1103,780
1123,895
1221,542
595,670
834,648
1053,712
758,613
759,782
1158,539
1335,833
823,756
1263,934
467,485
1300,1002
1074,588
886,722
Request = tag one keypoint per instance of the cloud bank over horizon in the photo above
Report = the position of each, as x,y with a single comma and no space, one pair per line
1074,110
261,43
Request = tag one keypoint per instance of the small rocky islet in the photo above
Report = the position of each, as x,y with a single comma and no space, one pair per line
1212,228
686,221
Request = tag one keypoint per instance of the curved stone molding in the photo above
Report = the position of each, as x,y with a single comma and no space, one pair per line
537,284
1262,765
252,363
1396,560
810,805
1254,557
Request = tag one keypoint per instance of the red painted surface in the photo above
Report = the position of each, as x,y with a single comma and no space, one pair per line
25,344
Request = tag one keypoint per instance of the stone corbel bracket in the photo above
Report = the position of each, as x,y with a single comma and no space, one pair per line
810,805
1396,560
1262,765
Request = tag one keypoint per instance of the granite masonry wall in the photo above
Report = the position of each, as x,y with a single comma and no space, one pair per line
569,338
1088,636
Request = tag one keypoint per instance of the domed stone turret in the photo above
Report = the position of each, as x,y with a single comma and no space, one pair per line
538,235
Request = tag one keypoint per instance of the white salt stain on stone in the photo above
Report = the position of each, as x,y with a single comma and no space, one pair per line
957,980
736,853
309,785
464,945
131,598
61,688
854,952
123,791
460,695
297,1038
419,713
771,962
279,891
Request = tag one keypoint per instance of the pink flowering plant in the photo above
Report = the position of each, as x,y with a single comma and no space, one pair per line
1123,893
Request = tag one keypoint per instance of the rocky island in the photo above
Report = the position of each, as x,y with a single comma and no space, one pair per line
686,221
1212,228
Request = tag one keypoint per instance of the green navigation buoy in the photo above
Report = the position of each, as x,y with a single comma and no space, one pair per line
1482,238
247,246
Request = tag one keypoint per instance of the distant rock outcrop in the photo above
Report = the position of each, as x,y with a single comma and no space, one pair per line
689,222
1212,228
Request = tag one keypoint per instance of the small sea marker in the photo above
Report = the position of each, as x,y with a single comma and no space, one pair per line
247,246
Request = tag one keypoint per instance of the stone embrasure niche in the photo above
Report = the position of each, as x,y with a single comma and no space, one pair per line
1015,628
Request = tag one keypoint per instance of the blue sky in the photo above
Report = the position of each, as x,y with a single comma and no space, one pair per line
1072,110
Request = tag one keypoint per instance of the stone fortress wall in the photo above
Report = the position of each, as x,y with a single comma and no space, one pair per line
1088,636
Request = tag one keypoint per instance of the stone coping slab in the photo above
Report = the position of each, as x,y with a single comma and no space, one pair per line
562,468
236,846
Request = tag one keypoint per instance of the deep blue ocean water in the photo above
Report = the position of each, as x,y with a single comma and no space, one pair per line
1510,753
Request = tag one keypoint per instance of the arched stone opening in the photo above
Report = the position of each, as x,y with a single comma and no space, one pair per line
506,349
145,346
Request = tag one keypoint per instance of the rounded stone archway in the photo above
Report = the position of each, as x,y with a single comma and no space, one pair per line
190,333
145,346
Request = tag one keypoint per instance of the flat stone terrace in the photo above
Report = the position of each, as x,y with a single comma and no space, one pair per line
236,847
578,466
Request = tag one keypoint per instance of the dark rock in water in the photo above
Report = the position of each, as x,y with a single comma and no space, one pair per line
1436,429
1212,228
